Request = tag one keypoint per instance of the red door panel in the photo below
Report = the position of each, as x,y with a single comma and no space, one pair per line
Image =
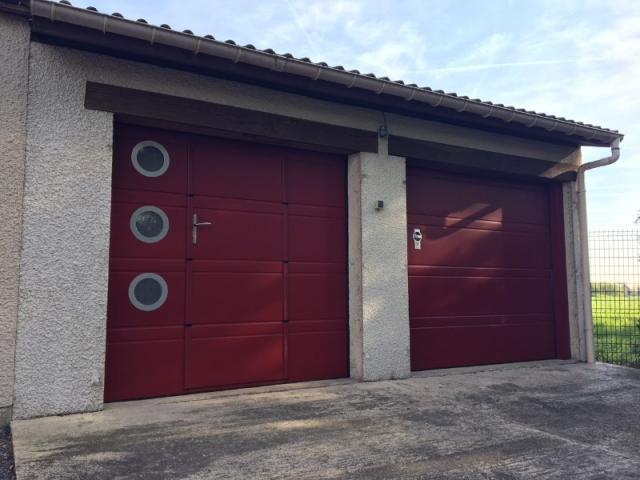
307,293
238,235
481,285
467,198
145,348
125,245
316,239
482,296
126,177
124,314
230,169
234,360
316,307
318,355
316,179
259,295
231,297
239,189
480,345
148,367
463,246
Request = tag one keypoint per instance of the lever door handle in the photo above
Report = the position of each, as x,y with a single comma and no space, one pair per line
194,227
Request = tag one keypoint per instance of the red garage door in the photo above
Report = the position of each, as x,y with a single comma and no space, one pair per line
228,265
482,281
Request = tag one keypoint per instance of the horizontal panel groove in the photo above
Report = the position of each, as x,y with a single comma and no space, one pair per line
316,274
307,262
468,226
340,217
201,208
463,179
237,324
218,336
471,218
148,327
146,342
485,325
133,192
244,272
486,315
444,271
234,260
316,319
319,332
324,206
478,277
164,258
481,268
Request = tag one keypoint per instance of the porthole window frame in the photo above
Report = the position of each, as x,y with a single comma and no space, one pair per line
140,169
158,211
163,295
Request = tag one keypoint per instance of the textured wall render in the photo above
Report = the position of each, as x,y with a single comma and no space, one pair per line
65,255
378,283
14,57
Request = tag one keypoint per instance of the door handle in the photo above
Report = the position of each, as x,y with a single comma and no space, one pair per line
194,227
417,239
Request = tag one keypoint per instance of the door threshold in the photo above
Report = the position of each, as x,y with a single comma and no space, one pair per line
241,391
442,372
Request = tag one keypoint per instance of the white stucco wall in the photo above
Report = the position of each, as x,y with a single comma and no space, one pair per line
65,256
378,282
14,54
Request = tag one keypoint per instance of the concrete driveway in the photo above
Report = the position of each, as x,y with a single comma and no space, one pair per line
544,420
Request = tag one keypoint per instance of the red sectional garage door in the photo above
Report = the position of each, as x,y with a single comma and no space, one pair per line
482,285
228,265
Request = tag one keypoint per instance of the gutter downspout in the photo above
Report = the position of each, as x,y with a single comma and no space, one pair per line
582,215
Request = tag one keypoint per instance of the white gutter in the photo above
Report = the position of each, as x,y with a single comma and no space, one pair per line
581,192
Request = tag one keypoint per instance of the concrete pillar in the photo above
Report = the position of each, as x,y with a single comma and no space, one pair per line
574,246
14,69
378,283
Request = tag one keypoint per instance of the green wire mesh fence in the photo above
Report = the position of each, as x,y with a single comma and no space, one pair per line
615,295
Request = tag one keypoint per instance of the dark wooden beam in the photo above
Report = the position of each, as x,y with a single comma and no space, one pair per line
449,158
180,113
195,116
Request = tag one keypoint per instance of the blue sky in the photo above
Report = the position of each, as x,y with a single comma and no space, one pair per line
574,58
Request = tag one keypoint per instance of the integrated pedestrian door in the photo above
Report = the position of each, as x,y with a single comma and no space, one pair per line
227,265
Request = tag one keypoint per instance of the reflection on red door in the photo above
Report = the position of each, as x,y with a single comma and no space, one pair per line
481,285
255,294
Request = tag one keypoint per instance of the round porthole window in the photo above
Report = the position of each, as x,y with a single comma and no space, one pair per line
150,158
149,224
148,292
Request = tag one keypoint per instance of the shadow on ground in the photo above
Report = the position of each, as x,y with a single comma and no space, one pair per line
546,420
7,471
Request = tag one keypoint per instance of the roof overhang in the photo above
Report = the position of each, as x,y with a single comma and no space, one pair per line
64,24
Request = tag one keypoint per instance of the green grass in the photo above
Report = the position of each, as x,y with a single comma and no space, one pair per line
616,322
